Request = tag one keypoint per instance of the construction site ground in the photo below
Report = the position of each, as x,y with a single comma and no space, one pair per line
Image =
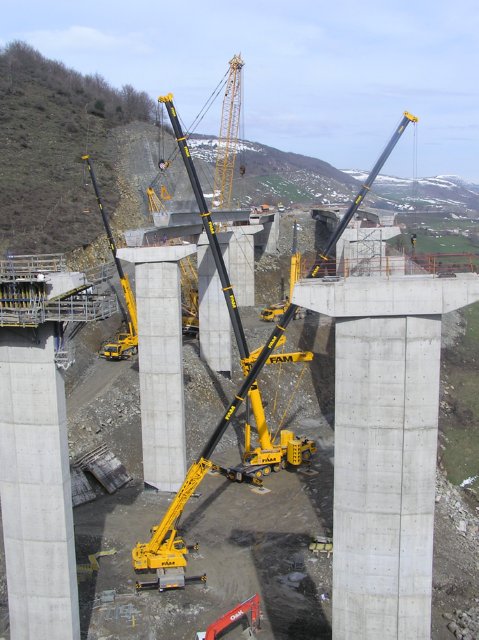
249,541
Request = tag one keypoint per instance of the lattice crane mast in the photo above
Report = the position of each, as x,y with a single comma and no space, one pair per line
228,137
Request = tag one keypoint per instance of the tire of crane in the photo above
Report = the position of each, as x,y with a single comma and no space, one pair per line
277,467
258,474
306,455
266,471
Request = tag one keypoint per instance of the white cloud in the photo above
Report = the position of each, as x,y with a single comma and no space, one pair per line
324,79
78,38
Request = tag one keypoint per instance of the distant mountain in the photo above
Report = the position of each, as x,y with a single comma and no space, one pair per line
276,176
448,193
52,115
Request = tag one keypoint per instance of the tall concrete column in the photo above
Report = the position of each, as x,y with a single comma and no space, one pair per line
271,230
215,325
35,489
267,240
158,300
388,339
241,263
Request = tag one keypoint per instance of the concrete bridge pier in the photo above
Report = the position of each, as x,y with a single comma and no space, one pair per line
35,488
362,251
388,340
215,325
241,261
158,299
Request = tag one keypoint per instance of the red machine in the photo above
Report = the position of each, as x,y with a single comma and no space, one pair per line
235,617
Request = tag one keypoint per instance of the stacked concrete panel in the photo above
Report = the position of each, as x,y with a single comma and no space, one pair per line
36,490
388,338
158,299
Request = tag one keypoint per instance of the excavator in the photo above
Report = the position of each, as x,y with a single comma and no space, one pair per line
166,550
274,312
125,344
236,618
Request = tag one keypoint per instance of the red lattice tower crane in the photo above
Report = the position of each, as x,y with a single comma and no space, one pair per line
228,138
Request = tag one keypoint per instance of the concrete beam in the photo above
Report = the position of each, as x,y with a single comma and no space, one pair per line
62,282
268,238
158,299
180,219
410,295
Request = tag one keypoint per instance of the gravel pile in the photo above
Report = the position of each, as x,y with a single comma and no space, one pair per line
465,520
464,624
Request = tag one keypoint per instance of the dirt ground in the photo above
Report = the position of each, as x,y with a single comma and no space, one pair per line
249,541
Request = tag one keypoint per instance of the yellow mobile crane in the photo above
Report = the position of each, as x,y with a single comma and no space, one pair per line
274,312
271,455
125,344
166,551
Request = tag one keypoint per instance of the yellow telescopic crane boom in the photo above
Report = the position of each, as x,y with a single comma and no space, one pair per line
274,454
129,341
166,548
228,138
315,272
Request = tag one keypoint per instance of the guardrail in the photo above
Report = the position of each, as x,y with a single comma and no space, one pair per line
79,308
31,265
397,263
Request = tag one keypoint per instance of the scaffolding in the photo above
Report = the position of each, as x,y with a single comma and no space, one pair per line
31,267
25,299
396,263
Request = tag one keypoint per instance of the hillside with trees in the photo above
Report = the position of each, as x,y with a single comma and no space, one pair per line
50,116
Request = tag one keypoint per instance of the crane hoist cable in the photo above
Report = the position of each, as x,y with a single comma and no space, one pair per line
198,119
290,400
155,201
208,104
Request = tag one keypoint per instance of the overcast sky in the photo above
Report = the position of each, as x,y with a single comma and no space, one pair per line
326,79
